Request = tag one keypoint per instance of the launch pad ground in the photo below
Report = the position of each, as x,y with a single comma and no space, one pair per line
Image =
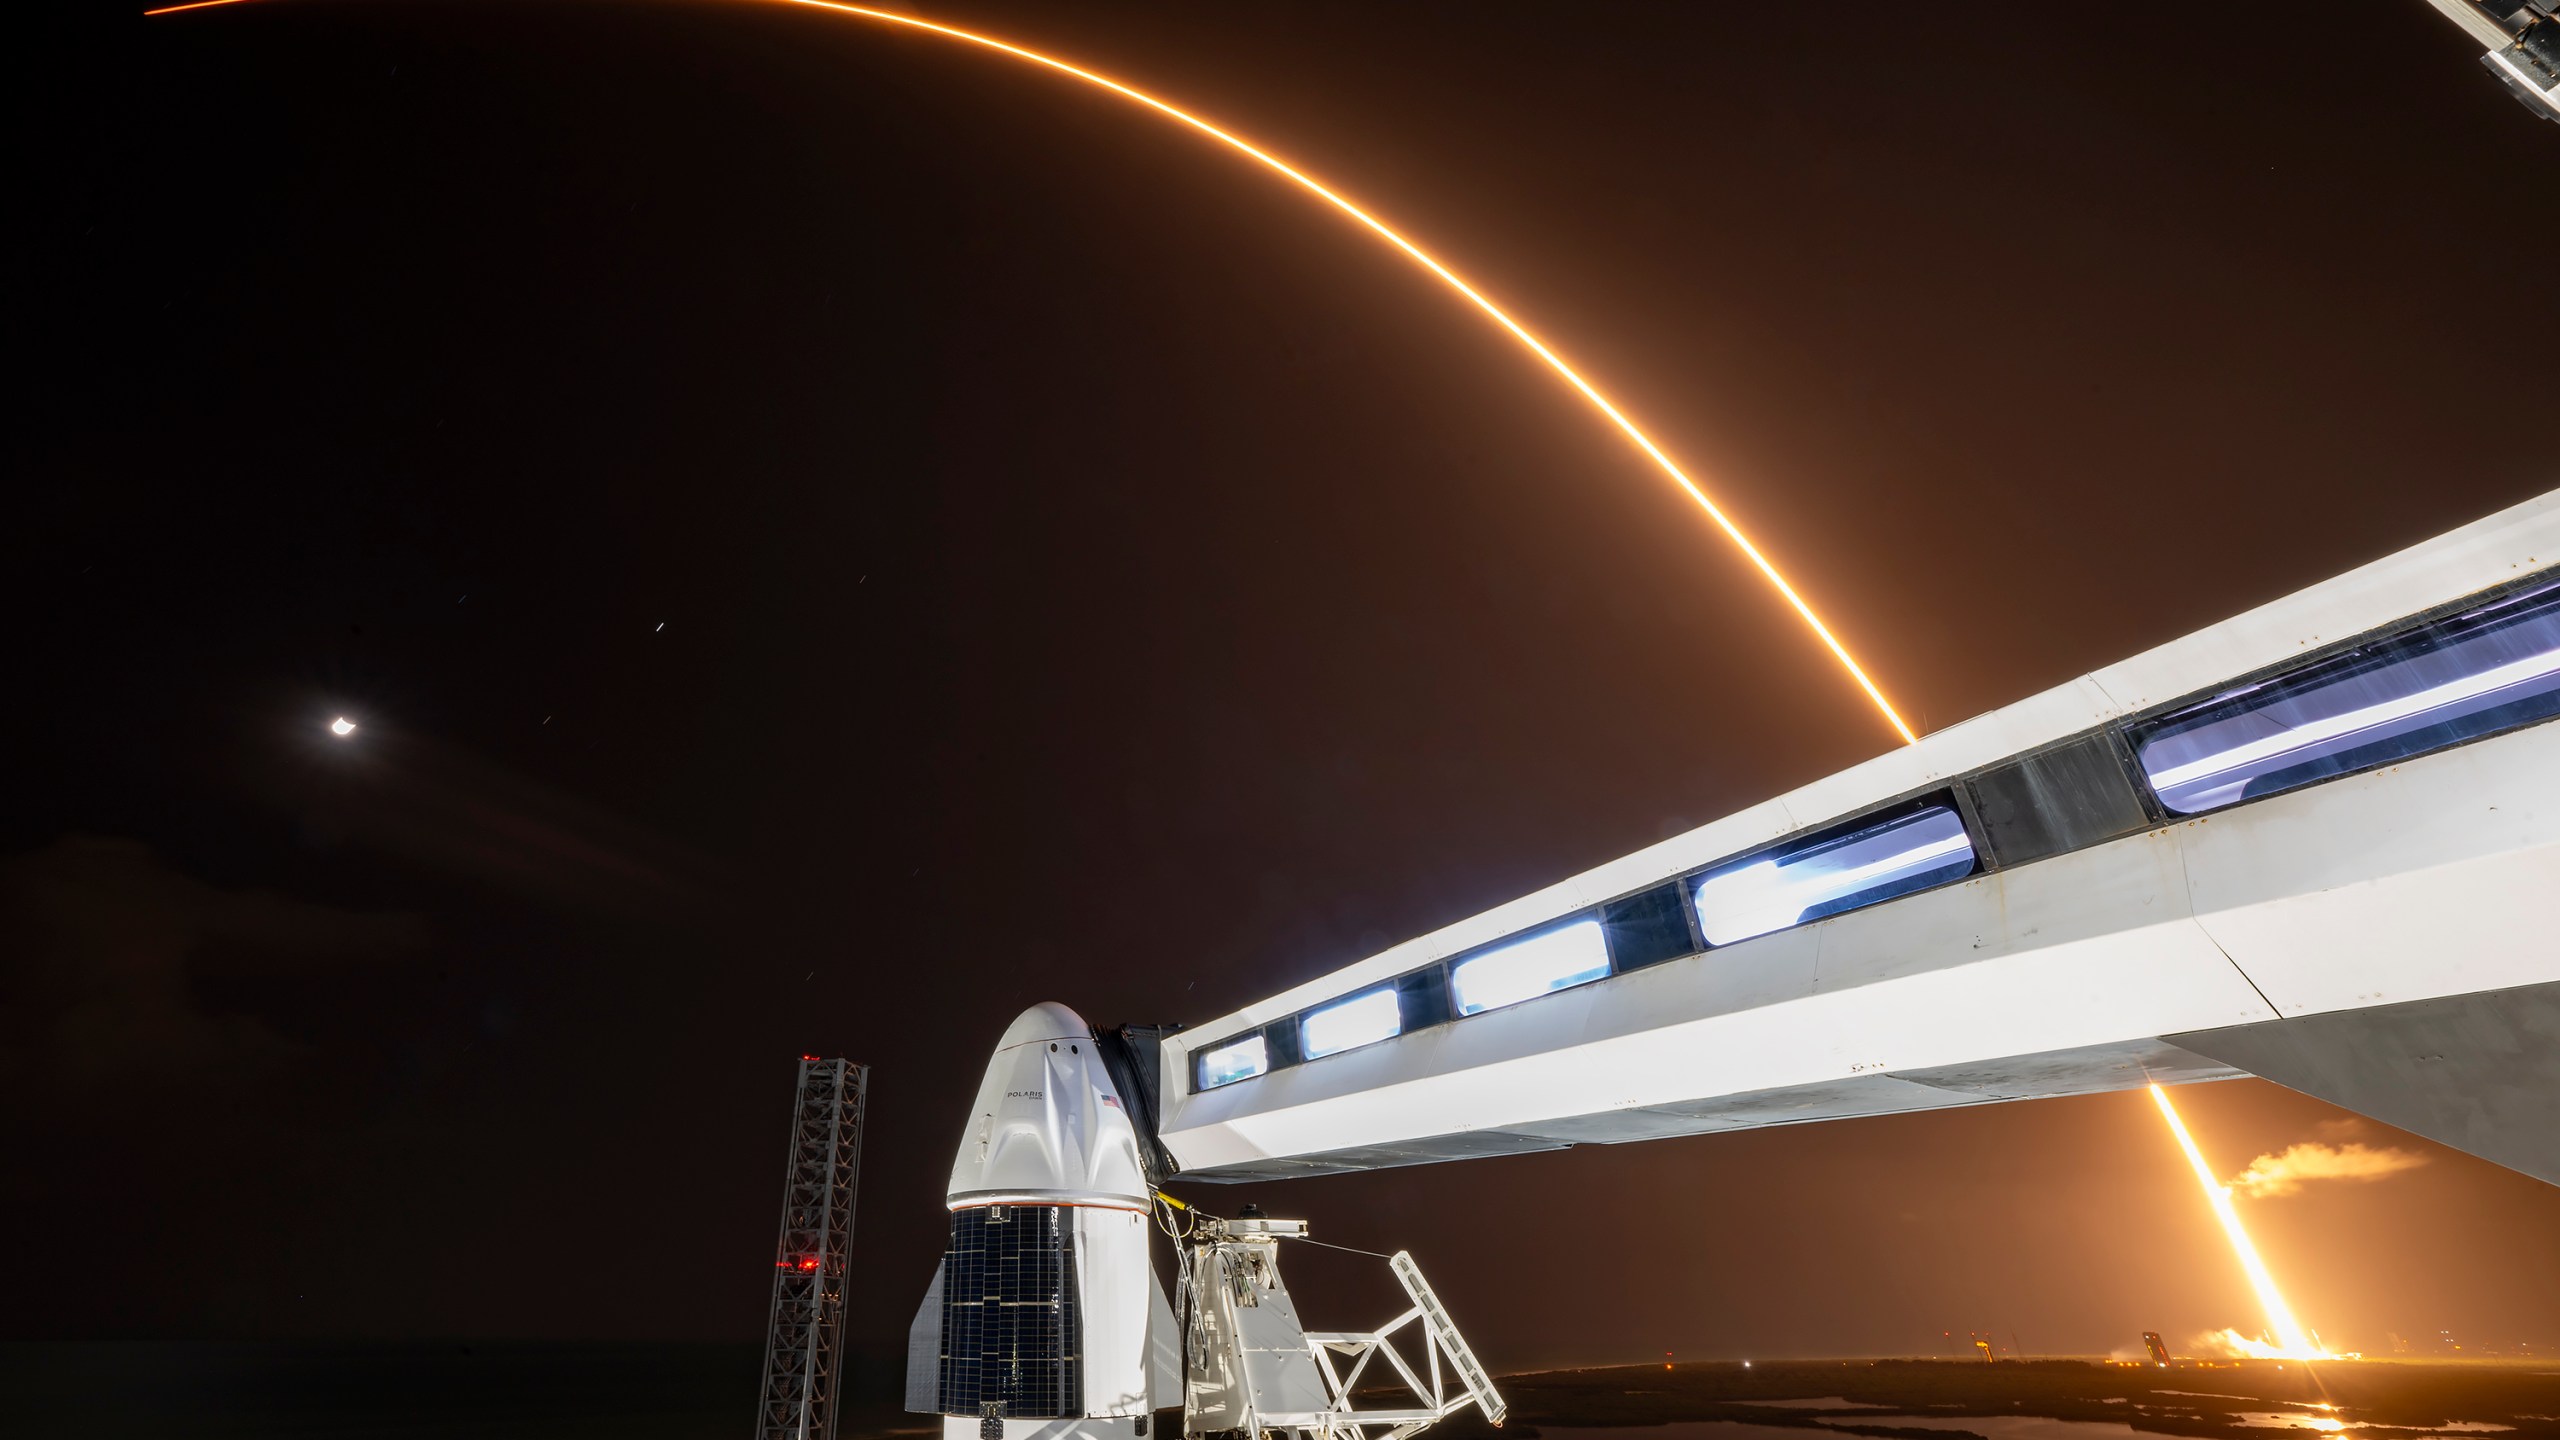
2031,1400
2063,1399
485,1391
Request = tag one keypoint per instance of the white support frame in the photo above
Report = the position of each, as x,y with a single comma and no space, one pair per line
1342,1420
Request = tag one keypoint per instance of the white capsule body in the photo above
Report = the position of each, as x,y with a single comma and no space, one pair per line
1047,1294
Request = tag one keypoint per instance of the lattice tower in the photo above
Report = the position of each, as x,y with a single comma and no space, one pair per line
804,1338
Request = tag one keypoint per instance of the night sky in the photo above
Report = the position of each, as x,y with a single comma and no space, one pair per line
833,538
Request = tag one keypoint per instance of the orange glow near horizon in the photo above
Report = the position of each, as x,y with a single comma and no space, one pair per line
1411,251
2292,1342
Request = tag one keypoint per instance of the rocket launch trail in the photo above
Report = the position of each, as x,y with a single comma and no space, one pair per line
2292,1341
1411,251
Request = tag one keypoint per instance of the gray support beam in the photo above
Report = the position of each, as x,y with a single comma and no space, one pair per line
2478,1072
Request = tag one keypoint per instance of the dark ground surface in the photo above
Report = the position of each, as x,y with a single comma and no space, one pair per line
2195,1400
645,1392
477,1390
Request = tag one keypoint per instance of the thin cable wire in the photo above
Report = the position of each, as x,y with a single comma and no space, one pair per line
1643,442
1353,1249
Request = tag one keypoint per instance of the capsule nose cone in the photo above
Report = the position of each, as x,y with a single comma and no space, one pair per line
1044,1022
1049,1127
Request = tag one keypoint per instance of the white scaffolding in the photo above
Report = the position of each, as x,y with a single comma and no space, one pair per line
1253,1370
1346,1420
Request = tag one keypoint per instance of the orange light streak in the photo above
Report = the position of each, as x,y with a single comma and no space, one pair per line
2292,1341
1411,251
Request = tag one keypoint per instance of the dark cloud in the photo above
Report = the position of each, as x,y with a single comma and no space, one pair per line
118,963
423,802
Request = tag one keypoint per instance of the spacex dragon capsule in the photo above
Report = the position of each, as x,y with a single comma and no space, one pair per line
1045,1319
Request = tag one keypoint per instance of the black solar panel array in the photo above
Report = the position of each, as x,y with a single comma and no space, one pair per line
1011,1335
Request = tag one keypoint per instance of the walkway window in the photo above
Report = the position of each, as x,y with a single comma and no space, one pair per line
2492,669
1558,959
1822,875
1346,1024
1236,1060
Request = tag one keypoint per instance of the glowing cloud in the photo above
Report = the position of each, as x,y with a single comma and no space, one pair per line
2288,1170
2232,1343
1411,251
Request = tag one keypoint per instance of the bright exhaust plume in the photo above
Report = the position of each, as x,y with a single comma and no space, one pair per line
2290,1341
2234,1345
1572,378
